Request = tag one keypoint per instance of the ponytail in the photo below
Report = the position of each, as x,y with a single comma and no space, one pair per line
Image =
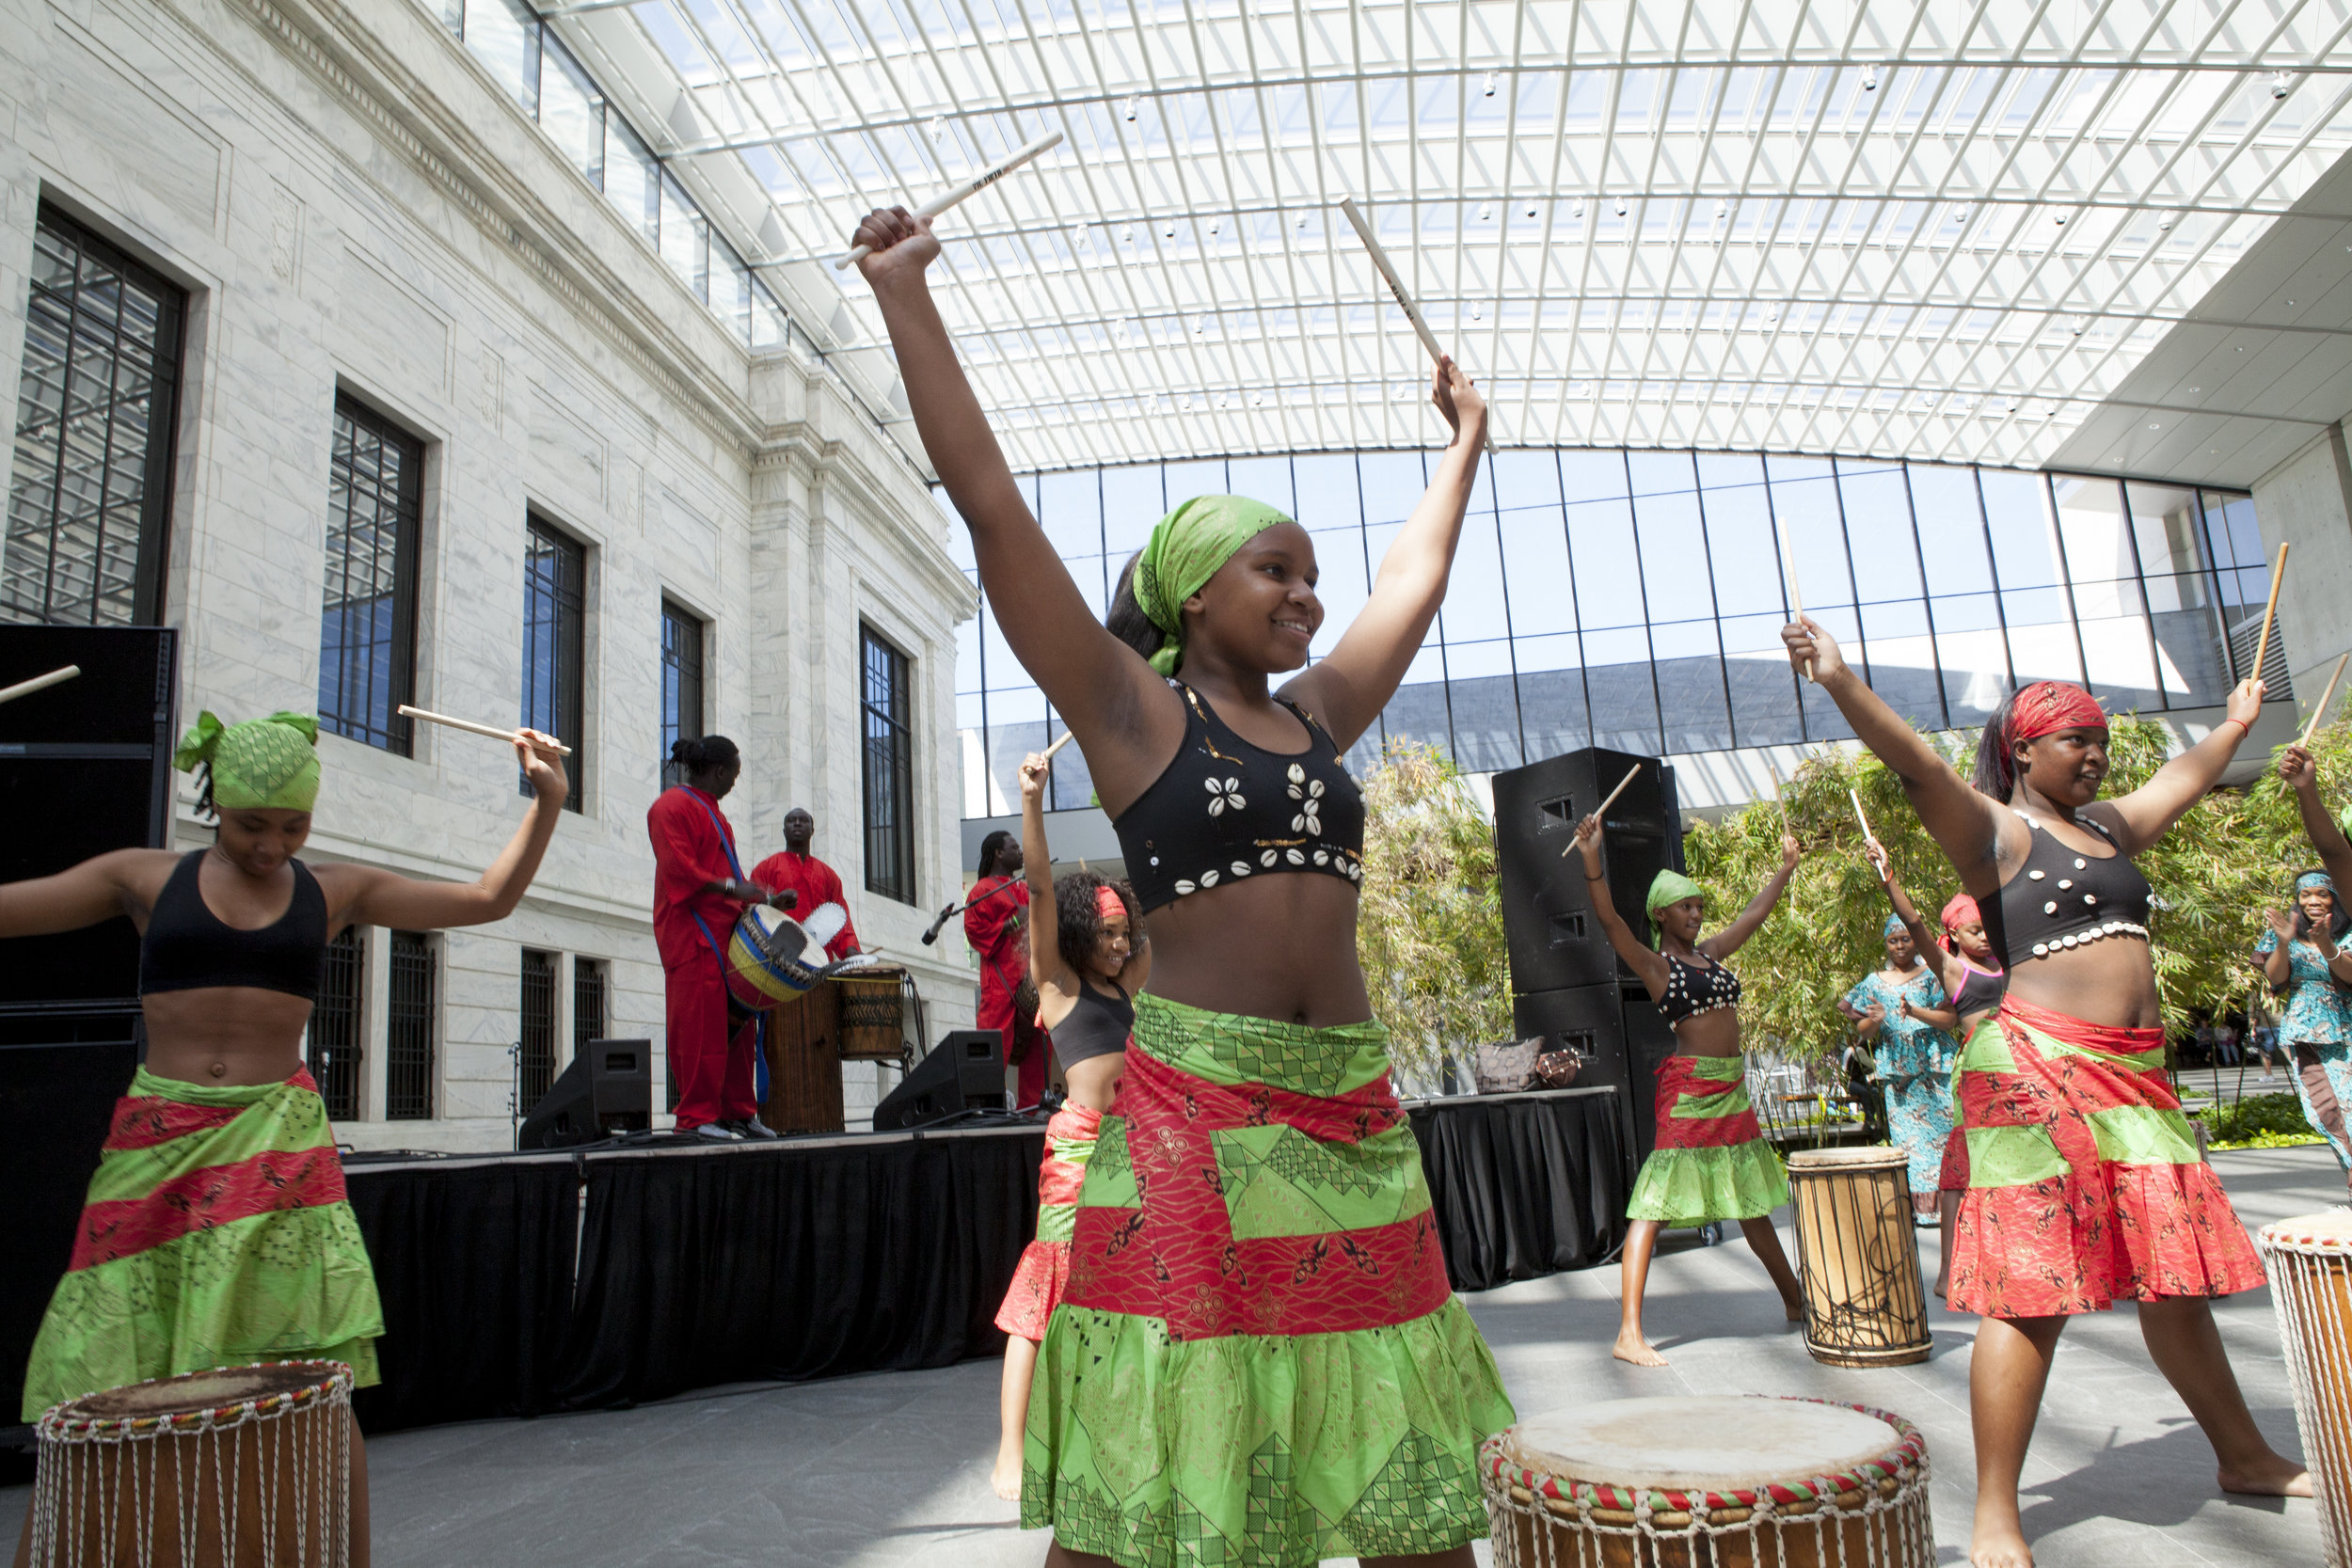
702,752
1996,770
1127,622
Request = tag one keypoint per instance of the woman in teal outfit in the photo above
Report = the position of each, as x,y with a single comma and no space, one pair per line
1901,1015
2298,953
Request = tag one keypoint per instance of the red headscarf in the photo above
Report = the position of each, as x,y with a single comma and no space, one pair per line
1108,904
2047,707
1960,911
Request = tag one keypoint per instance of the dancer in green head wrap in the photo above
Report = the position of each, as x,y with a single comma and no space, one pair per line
1711,1162
268,1265
1167,1373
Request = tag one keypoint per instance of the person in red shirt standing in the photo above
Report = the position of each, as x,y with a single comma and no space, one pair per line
996,924
797,871
699,892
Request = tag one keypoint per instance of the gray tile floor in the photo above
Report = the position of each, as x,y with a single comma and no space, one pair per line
891,1470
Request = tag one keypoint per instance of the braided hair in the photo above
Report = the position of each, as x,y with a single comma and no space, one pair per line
699,754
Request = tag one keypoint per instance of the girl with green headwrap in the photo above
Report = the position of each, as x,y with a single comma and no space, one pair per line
1209,1339
217,1230
1711,1162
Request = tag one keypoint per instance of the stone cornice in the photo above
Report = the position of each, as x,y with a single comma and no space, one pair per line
800,448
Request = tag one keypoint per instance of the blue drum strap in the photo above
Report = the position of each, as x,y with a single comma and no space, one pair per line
719,950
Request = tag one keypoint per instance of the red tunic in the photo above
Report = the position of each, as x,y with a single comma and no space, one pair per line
997,926
817,883
689,850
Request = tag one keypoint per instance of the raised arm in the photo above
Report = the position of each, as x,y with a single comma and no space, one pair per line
1644,960
1037,865
2148,813
1347,691
1941,965
1965,824
2302,776
99,889
372,898
1098,684
1723,943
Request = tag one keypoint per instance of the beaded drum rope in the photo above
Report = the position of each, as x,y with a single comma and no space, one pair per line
2310,1261
101,1474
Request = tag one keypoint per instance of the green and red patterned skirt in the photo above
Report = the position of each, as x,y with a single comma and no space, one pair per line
1711,1162
215,1233
1257,1361
2083,1181
1044,1270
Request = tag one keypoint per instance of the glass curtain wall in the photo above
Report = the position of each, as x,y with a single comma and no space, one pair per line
1634,599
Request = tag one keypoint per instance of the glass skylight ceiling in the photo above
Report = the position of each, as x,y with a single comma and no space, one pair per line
1938,231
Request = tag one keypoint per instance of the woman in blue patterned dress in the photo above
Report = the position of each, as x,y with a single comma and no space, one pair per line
2296,953
1901,1015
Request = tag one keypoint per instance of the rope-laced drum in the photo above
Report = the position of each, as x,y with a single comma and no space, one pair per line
1709,1482
2310,1288
1858,1257
767,957
874,1014
237,1466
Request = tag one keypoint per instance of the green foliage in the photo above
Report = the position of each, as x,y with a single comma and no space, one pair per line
1430,926
2261,1122
2233,853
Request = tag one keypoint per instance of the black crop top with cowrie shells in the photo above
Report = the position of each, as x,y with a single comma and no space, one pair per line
1224,810
2060,899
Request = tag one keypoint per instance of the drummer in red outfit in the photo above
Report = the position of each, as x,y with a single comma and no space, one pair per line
699,892
797,871
995,923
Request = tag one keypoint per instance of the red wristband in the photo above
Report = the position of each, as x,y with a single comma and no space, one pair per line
2240,724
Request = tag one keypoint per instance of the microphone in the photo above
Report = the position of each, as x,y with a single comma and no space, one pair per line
932,935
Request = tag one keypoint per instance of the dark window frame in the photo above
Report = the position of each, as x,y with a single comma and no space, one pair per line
333,1045
591,1003
165,361
412,1028
679,682
886,764
535,1038
387,731
564,711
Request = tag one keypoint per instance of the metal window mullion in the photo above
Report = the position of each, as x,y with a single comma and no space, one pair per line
2066,576
1575,611
1927,598
2213,572
1993,570
2147,616
1640,578
1714,604
1788,569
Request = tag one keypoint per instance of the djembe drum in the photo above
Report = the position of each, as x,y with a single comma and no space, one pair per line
2310,1289
239,1468
1857,1258
1709,1482
873,1014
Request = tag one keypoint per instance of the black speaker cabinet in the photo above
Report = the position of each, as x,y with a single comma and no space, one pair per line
607,1090
1555,940
965,1072
85,767
1623,1039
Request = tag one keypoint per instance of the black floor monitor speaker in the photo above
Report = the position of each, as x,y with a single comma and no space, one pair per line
966,1073
607,1090
1554,937
85,767
1623,1038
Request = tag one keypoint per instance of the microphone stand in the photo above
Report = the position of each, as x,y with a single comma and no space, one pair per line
953,910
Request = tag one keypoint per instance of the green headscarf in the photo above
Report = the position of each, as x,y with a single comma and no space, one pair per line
262,764
1186,549
1668,887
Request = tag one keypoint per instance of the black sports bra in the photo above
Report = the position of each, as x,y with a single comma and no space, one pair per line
1980,991
1692,989
1224,809
1096,1025
2061,899
188,947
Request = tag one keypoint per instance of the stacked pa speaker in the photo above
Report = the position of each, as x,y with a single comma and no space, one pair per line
605,1092
1565,980
964,1074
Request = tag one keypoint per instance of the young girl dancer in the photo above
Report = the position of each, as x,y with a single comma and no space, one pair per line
1257,1359
1086,971
1900,1013
1972,978
217,1230
2085,1183
1710,1162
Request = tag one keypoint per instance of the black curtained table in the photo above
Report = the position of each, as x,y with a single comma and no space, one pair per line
1523,1184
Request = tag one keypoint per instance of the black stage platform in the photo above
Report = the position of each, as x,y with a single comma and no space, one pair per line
518,1284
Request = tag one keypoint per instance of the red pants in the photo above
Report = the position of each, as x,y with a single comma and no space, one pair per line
1025,1045
713,1072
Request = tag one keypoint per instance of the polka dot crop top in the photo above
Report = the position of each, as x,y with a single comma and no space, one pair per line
1692,989
1224,810
2059,899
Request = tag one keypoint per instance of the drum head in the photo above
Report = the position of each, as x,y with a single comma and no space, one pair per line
192,1391
1869,1156
1699,1443
2325,1232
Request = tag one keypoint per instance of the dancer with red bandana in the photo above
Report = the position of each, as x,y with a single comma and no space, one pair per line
1087,970
2085,1184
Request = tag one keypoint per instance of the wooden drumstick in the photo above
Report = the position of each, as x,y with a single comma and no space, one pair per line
1866,834
1612,800
2277,575
38,683
1067,736
1788,575
970,189
471,727
2319,714
1396,287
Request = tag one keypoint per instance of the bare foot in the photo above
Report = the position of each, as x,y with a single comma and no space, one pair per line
1631,1347
1999,1547
1006,1479
1943,1285
2274,1477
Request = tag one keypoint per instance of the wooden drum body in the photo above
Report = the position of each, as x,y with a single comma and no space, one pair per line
1858,1256
873,1015
1709,1482
2310,1288
239,1468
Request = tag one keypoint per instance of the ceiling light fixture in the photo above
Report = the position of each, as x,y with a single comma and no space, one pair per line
1135,101
1621,206
1871,79
939,126
1486,211
1492,77
2280,82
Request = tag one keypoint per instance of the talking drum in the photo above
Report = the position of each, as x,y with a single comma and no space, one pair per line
1709,1482
764,967
2311,1287
239,1468
873,1015
1858,1258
